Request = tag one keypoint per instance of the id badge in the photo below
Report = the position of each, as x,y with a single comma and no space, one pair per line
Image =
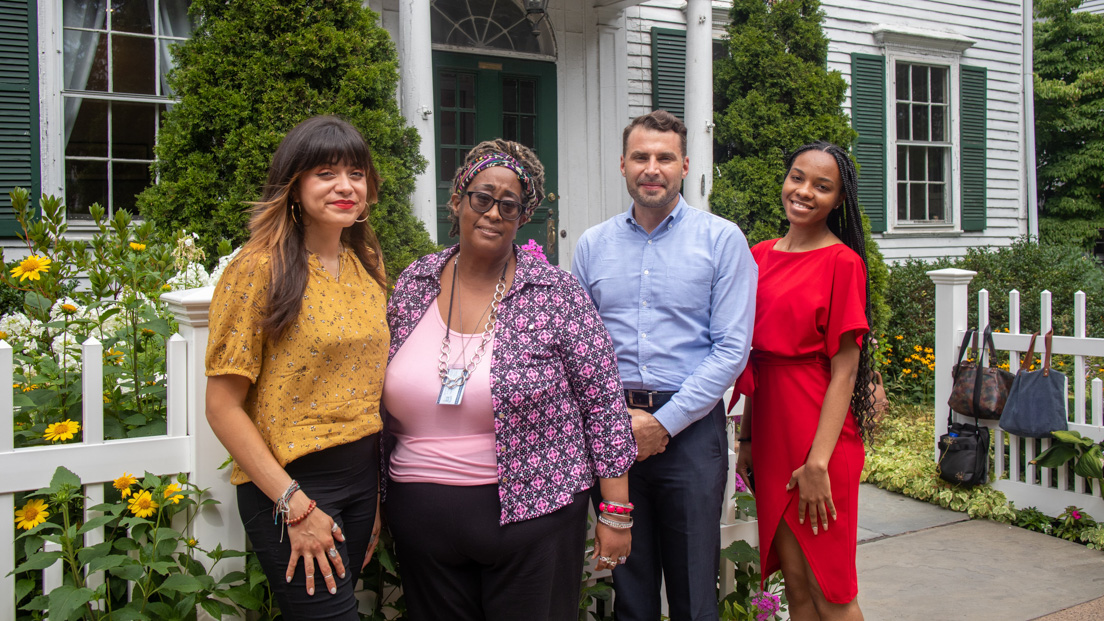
452,395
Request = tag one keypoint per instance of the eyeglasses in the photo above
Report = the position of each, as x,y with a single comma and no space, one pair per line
481,202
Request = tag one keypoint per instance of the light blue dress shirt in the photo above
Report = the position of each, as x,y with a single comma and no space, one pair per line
679,304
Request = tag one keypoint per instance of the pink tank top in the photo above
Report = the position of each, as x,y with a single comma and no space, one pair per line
444,444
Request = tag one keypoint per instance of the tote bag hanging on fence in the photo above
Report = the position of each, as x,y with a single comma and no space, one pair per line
979,391
964,453
1037,402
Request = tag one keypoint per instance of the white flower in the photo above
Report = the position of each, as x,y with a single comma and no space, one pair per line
67,352
217,272
19,328
193,276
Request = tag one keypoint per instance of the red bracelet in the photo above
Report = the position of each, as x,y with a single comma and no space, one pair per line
616,508
293,522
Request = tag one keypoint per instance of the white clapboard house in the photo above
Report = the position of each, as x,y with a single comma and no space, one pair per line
940,94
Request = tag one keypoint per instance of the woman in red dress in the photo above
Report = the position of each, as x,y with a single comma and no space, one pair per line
809,401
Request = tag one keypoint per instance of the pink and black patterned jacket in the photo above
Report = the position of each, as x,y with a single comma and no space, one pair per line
559,407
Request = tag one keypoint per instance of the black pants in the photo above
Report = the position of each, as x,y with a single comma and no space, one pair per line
343,480
678,496
458,563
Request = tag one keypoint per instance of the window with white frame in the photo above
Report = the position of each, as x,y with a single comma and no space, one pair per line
115,59
923,143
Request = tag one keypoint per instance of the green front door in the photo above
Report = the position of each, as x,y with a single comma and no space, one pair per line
483,97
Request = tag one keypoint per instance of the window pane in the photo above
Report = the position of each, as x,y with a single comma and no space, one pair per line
903,130
919,83
938,84
132,130
467,91
528,96
127,181
935,164
916,201
86,14
131,16
88,133
133,67
938,123
936,202
917,161
85,61
85,184
902,201
448,127
448,165
528,132
920,122
510,127
467,129
446,84
902,81
509,95
902,163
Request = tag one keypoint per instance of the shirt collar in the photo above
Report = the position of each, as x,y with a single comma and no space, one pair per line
671,219
529,269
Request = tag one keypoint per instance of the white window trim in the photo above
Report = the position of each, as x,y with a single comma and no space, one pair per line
926,48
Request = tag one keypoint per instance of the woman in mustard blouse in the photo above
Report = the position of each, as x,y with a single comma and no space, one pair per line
295,362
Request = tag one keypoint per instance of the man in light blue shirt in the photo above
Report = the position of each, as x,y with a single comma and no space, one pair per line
675,286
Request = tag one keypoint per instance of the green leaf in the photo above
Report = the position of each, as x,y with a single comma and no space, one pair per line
94,523
62,477
162,567
182,583
106,562
243,597
40,560
160,610
1055,456
126,544
66,601
86,555
23,586
40,602
1090,465
131,571
1069,437
216,608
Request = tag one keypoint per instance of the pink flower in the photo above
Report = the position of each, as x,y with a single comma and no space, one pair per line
1076,515
740,485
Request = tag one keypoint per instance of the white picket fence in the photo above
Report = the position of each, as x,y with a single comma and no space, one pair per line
189,446
1050,490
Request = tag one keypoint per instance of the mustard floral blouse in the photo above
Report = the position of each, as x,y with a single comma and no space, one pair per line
320,385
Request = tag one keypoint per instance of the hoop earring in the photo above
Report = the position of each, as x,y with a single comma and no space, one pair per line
295,213
366,216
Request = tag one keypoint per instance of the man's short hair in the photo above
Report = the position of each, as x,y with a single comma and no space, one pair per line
660,121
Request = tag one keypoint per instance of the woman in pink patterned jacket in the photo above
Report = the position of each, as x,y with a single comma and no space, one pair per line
503,404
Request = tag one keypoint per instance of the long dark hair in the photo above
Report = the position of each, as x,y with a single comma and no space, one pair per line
846,224
276,227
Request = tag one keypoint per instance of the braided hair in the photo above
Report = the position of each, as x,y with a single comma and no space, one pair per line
846,224
524,156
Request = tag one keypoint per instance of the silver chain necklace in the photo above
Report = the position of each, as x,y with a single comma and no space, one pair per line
488,332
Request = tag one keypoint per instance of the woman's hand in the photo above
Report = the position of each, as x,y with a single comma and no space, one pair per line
313,541
611,543
814,495
377,526
743,465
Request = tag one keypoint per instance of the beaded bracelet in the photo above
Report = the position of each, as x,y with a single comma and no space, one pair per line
283,503
616,508
612,523
294,521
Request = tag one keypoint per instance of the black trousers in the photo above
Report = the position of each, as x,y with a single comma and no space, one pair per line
343,480
458,563
678,495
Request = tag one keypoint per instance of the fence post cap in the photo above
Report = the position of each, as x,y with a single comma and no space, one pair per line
951,276
190,307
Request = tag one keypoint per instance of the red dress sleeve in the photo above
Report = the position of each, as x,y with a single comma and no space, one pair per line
847,305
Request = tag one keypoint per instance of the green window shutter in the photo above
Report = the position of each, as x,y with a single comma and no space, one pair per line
19,160
973,144
669,70
868,118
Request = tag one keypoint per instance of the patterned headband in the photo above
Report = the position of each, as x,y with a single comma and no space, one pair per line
490,160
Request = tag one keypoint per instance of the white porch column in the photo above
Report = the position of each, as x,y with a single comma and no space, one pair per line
699,102
219,523
416,86
951,299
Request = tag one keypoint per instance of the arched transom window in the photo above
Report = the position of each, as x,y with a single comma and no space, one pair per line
490,26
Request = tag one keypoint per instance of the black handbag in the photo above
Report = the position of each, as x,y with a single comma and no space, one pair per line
979,391
964,453
1037,402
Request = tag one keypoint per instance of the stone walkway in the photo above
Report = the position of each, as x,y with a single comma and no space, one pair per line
917,561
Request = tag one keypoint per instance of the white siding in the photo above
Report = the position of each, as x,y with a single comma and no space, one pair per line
996,27
1092,6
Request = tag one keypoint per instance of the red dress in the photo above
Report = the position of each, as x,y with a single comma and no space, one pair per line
805,302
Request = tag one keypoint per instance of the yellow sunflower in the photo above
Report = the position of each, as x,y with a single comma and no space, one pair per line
65,430
136,246
68,309
171,494
142,504
124,482
32,267
32,514
3,335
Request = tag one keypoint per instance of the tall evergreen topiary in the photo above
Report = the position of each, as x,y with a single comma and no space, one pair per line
251,72
774,93
1069,122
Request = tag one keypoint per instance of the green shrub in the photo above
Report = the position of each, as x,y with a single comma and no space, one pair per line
253,71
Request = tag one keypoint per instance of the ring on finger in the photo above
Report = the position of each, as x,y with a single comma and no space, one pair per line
333,529
327,576
332,552
622,559
606,559
310,576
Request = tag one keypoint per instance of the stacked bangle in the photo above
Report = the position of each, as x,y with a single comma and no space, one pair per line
742,440
612,523
615,508
283,503
294,521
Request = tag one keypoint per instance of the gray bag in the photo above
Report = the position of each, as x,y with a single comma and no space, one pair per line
1037,402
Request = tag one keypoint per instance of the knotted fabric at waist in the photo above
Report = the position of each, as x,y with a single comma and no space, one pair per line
772,359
